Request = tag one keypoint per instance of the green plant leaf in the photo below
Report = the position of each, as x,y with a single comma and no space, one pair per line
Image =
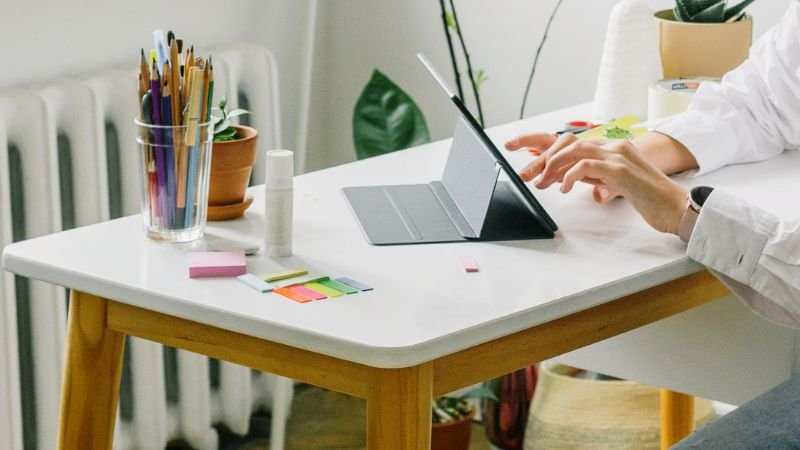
220,127
386,119
712,14
451,20
681,12
480,78
223,102
229,134
237,112
734,11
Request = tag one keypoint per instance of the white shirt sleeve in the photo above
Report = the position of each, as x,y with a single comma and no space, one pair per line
753,252
754,113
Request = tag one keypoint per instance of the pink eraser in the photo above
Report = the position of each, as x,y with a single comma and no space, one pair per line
468,264
217,264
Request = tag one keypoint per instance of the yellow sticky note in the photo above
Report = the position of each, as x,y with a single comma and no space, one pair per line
291,273
627,122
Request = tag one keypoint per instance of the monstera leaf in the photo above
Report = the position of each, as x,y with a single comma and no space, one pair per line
386,119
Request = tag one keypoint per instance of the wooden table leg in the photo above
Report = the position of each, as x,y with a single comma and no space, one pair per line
677,417
399,408
90,388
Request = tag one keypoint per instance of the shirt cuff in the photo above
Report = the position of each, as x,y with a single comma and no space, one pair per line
700,134
729,236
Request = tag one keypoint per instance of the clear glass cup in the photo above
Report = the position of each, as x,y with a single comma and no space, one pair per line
174,165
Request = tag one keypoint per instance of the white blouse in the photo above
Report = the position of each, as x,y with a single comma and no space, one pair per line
752,115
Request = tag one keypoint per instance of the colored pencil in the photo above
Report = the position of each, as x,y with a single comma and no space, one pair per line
210,90
155,93
169,149
203,101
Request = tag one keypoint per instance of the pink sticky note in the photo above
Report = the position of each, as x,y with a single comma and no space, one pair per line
468,264
308,292
217,264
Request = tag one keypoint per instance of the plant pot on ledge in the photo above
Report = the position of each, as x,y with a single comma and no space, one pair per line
232,163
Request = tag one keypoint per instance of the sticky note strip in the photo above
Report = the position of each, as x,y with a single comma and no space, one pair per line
255,283
299,281
216,264
291,273
322,289
296,296
309,292
354,283
468,263
341,287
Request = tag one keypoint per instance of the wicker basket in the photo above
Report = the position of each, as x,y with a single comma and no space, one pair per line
573,413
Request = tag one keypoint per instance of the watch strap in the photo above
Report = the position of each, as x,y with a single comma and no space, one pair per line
694,203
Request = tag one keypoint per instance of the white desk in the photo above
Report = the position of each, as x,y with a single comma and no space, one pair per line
426,329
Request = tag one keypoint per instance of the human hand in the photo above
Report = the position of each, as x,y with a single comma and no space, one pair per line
544,145
615,166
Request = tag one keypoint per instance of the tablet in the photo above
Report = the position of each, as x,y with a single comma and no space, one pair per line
519,185
467,204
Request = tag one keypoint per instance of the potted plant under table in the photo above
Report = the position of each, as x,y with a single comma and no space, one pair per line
452,419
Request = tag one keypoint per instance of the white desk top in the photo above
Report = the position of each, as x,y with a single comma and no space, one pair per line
423,306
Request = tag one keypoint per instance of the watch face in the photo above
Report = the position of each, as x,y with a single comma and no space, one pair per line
699,194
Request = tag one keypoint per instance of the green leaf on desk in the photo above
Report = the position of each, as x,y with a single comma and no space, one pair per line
386,119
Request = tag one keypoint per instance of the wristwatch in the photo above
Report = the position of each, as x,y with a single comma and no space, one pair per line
694,203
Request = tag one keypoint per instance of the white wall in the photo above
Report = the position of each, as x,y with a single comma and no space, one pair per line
502,36
47,39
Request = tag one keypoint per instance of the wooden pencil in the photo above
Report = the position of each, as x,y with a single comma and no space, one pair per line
175,64
144,71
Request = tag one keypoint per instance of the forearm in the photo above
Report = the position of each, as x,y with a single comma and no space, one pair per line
669,155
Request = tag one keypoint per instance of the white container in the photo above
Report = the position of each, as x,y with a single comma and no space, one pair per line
278,209
630,62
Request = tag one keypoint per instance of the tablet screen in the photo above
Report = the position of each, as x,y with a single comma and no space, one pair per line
520,189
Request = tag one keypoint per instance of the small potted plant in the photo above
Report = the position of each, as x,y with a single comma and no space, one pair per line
703,38
452,419
233,157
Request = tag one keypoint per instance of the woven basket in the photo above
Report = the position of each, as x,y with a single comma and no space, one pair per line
573,413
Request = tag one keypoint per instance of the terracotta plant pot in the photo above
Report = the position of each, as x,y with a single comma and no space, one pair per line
701,49
231,165
453,435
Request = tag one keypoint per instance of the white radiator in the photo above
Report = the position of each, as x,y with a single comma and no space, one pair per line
67,159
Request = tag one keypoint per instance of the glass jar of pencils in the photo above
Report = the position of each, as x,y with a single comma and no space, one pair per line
174,164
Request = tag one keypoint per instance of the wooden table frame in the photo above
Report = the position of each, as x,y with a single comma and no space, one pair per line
398,400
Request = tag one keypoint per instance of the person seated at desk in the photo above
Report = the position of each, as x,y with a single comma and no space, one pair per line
752,115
